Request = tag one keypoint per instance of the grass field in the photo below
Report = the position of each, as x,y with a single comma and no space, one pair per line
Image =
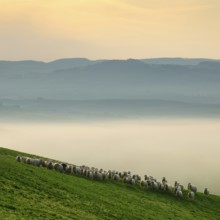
28,192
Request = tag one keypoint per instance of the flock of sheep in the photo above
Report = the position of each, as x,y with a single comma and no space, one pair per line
126,177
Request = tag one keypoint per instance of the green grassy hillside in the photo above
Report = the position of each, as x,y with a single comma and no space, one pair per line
28,192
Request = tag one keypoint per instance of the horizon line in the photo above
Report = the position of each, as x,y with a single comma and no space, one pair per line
104,59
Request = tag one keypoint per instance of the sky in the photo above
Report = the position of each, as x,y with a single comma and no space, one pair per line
109,29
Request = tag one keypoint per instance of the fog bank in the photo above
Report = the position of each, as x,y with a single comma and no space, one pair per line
180,149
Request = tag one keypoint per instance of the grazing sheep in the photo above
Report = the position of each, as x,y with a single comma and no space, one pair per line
175,184
164,181
206,191
36,162
18,158
178,186
64,166
116,177
90,175
146,177
144,183
27,160
69,169
49,165
191,195
128,180
179,194
133,181
77,170
44,163
23,159
167,187
155,185
161,186
58,167
136,177
192,187
98,175
181,187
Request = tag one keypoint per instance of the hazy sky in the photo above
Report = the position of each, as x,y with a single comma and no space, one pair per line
50,29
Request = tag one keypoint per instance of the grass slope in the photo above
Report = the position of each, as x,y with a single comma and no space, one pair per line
28,192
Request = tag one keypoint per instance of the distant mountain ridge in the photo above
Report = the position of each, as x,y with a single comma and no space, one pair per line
166,80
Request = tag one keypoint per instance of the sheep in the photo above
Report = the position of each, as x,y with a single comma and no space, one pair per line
175,184
191,195
179,194
161,186
167,187
58,167
69,169
136,177
98,175
36,162
18,158
192,187
116,177
91,175
164,181
44,163
181,187
23,159
64,165
178,186
126,179
27,160
206,191
155,185
144,183
49,165
105,175
77,170
132,181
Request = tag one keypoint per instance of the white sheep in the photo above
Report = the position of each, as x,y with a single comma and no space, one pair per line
69,169
91,175
144,183
58,167
178,187
192,187
44,163
206,191
164,180
35,162
77,170
154,185
23,159
126,179
167,187
98,175
49,165
28,160
179,194
191,195
18,158
116,177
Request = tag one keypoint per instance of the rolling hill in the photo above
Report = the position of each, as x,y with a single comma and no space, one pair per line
29,192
